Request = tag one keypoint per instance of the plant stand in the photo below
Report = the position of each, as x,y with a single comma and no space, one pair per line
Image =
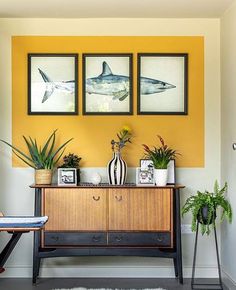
203,286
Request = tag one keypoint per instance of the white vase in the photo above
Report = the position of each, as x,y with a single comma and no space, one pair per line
160,177
117,170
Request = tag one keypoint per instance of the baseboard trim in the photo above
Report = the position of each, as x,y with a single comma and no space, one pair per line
228,280
112,272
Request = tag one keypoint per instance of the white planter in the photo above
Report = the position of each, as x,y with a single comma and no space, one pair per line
160,177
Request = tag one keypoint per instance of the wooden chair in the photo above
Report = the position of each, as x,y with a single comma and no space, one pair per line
16,230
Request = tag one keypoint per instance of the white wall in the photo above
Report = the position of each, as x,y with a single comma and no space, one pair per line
17,198
228,135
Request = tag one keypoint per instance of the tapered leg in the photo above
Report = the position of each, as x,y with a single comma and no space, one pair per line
194,257
36,267
178,238
176,268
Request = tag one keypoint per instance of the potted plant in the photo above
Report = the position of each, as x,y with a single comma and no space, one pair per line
160,157
42,159
72,161
117,167
204,205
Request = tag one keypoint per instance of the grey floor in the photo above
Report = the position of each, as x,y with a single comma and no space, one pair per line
52,283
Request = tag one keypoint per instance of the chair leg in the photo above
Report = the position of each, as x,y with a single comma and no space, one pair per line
8,249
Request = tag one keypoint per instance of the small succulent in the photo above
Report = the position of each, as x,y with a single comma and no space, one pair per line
71,161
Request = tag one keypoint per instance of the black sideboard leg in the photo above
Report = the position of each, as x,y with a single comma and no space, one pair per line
178,237
36,259
176,268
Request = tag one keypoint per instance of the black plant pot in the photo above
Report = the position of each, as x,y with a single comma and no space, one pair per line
203,218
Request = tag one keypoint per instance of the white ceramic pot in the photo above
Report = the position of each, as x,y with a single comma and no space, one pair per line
96,178
160,177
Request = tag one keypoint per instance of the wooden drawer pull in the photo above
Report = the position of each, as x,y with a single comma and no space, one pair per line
56,239
118,198
96,198
118,239
96,239
159,239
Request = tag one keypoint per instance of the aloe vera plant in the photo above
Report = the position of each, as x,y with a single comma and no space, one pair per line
45,157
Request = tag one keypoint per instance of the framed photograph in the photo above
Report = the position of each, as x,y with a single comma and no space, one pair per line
144,177
107,84
67,176
171,179
52,84
162,84
146,164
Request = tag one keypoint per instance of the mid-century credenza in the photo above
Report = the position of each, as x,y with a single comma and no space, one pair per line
105,220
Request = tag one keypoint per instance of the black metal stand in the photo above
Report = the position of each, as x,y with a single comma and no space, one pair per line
203,286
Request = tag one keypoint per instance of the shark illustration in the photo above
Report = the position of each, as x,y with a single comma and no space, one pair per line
68,86
108,84
152,86
117,86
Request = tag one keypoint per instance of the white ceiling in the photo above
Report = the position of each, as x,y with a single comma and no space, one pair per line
113,8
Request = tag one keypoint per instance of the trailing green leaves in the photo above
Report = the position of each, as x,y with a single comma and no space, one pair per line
211,200
38,158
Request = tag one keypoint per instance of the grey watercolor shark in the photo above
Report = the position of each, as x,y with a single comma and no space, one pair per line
117,86
68,86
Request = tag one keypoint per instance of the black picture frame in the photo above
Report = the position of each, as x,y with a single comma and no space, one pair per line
52,84
108,68
162,84
67,176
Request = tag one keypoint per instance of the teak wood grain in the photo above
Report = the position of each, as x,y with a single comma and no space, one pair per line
140,210
81,209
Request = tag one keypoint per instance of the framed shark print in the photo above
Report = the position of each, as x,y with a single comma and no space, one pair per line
107,84
162,84
52,84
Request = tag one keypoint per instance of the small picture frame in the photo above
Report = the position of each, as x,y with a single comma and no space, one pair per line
144,177
171,172
67,176
146,164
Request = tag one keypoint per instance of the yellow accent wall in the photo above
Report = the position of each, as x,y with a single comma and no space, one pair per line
92,134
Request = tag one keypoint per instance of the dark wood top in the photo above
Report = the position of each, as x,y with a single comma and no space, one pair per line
105,185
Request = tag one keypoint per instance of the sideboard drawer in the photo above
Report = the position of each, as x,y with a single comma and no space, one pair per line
140,239
75,239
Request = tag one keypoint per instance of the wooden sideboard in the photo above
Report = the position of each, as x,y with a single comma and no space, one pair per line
108,220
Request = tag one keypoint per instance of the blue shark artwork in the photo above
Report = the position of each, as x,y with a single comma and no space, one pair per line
117,86
51,86
109,84
152,86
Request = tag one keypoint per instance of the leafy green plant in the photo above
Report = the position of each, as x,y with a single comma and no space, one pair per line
40,158
161,155
71,161
211,201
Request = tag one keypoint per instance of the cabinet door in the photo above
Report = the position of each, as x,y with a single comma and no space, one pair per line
75,209
137,209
